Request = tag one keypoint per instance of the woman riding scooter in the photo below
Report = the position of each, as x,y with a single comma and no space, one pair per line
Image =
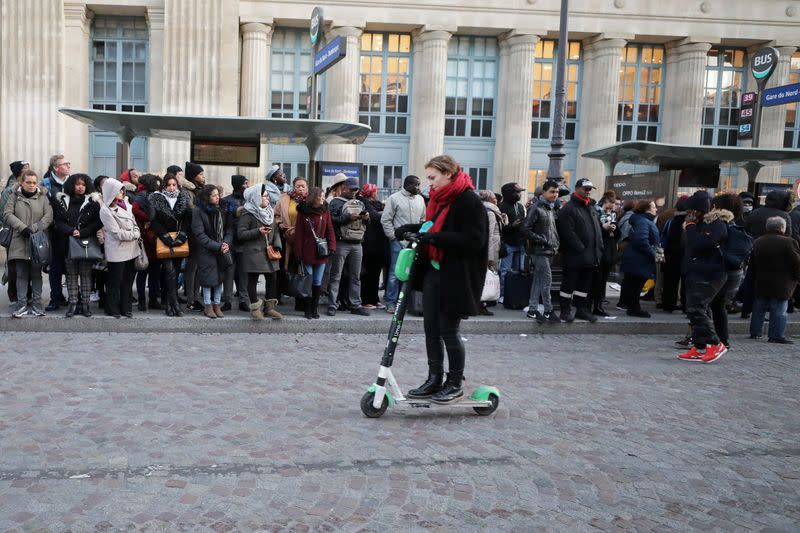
451,273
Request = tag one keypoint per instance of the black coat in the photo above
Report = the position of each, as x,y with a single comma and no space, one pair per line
209,233
794,215
465,241
87,221
580,234
166,219
513,234
776,266
702,258
756,224
375,241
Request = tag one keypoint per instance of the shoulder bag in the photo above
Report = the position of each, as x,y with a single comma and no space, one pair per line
84,249
176,251
40,249
299,283
321,243
141,262
6,231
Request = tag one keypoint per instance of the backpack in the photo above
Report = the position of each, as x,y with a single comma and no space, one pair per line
355,229
736,248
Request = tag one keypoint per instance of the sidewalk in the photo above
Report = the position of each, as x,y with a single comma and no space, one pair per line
504,321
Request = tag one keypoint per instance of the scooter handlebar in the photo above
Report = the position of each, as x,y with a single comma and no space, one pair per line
411,237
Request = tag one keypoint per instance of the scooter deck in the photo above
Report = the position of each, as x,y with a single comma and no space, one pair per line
426,403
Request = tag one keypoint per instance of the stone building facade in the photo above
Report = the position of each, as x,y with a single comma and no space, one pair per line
473,78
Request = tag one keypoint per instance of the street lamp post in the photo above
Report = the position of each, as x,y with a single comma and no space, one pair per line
555,170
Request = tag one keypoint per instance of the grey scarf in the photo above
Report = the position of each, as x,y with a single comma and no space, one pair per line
252,204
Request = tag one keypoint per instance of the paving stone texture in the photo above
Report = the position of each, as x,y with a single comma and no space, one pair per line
245,432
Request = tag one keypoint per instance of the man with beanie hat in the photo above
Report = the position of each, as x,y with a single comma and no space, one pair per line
194,178
192,182
512,234
748,202
17,168
705,275
230,205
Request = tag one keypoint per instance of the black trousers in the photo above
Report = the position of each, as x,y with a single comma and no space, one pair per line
673,288
598,291
700,293
441,330
252,286
631,291
371,267
119,285
170,269
577,281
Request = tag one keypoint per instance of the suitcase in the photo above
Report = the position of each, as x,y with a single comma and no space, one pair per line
517,289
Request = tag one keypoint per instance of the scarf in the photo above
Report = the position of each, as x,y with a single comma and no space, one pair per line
439,206
306,209
584,200
122,204
294,195
252,204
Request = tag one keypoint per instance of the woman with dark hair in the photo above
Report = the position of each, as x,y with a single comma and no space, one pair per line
76,213
727,207
171,212
671,241
451,273
375,247
313,220
99,269
639,257
213,253
148,184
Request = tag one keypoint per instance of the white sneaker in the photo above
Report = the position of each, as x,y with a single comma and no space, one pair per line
35,311
94,297
21,312
500,300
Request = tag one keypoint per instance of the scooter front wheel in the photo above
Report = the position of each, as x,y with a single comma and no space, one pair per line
368,409
489,409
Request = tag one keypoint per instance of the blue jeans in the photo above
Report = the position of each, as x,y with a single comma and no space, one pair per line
777,317
393,285
513,261
217,295
317,272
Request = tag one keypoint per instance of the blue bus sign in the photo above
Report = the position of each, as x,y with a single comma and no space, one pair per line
785,94
332,53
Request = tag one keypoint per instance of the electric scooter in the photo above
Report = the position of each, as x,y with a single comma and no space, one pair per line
386,392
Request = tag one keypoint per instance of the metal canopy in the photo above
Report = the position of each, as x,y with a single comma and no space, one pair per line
679,156
311,133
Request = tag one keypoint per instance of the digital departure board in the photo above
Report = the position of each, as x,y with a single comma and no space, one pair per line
225,152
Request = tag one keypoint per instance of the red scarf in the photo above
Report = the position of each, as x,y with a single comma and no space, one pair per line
584,200
441,200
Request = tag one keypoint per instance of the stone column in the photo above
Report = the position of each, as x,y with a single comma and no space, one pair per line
515,93
155,47
341,90
75,85
684,92
599,100
31,126
427,97
199,78
256,40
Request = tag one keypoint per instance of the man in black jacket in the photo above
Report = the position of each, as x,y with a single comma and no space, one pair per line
230,204
512,235
541,231
581,246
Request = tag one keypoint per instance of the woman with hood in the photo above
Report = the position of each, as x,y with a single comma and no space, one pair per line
212,253
121,238
148,184
313,221
26,212
496,222
171,212
639,256
257,232
77,214
728,208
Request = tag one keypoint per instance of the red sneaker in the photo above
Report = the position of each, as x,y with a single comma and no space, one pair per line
693,355
714,352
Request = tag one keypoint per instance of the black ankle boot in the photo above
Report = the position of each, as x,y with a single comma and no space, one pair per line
315,290
154,304
85,311
582,311
451,390
431,386
567,312
309,308
599,311
70,310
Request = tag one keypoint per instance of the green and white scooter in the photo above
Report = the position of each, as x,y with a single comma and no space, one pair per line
385,392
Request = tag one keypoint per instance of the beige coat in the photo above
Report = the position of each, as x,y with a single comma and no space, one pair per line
121,234
287,228
20,213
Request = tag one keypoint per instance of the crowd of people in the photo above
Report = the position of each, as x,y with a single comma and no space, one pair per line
185,246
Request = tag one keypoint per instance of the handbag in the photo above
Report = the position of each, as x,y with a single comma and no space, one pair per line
491,287
321,244
141,262
40,248
84,249
6,234
273,254
299,283
176,251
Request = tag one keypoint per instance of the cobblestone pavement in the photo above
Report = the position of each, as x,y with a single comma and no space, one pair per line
118,432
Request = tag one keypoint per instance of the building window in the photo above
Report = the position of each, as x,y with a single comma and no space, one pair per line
544,78
290,63
119,64
725,83
791,136
641,74
471,87
388,178
385,72
480,177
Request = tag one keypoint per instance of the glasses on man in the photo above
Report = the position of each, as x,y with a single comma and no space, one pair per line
64,164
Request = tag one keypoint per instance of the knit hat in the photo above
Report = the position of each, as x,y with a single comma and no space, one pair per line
699,201
351,183
192,170
237,181
16,167
746,196
272,171
174,169
368,189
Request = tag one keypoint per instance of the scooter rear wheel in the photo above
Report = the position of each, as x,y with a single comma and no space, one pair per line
486,411
368,409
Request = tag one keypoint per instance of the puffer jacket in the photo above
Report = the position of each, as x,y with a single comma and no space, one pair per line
540,229
20,213
580,235
639,257
495,229
702,257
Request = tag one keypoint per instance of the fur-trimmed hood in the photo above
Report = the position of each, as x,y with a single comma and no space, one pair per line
160,205
186,184
718,214
63,199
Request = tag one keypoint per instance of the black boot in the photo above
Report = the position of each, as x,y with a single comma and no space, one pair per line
300,304
309,308
431,386
451,390
599,311
567,312
315,291
85,311
582,311
154,304
70,310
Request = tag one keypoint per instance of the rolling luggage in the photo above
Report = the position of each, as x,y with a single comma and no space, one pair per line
517,290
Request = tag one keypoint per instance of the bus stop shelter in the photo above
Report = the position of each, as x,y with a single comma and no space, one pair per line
683,166
231,141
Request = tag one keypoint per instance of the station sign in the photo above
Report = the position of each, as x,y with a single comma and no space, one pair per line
332,53
228,152
746,115
326,170
785,94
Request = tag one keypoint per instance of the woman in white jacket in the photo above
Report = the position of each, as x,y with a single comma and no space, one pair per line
121,236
